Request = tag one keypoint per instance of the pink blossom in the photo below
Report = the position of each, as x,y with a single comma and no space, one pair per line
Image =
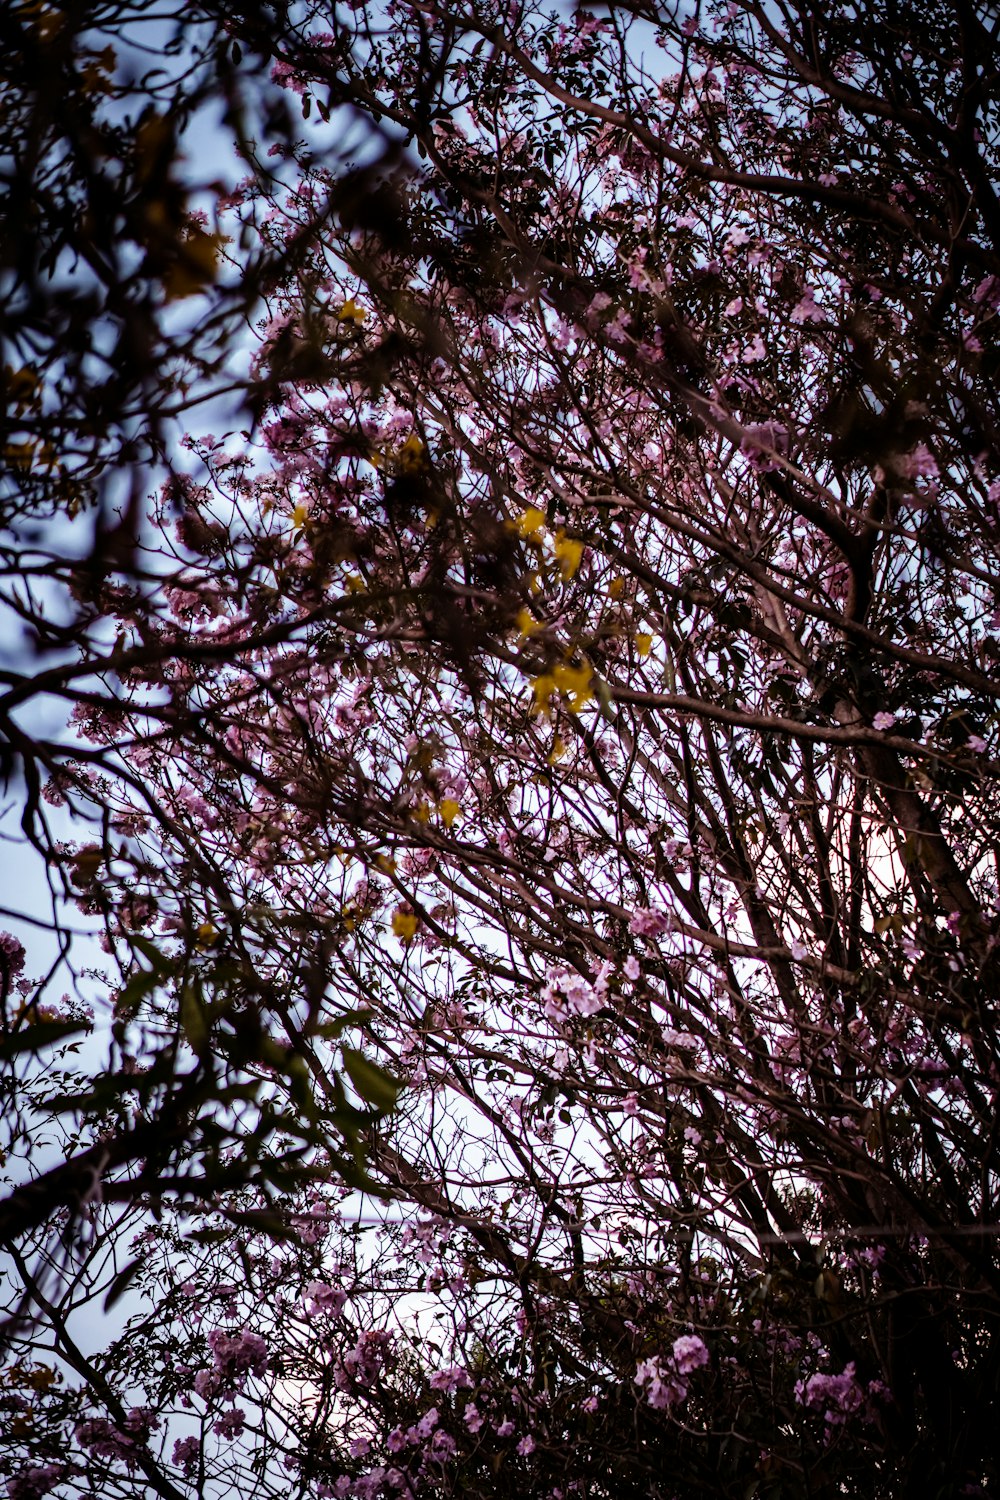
362,1364
839,1396
11,953
569,993
650,922
617,329
240,1352
920,463
808,310
988,291
662,1381
285,76
427,1423
34,1481
105,1440
661,1387
323,1298
883,721
230,1424
185,1455
762,443
689,1353
562,335
454,1378
443,1445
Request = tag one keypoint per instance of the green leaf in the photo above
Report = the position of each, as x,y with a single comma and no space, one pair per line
161,964
334,1030
41,1034
374,1085
141,984
122,1282
102,1092
262,1221
194,1022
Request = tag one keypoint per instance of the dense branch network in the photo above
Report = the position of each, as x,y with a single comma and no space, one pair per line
541,773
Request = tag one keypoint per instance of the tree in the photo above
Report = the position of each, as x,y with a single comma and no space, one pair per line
125,306
573,704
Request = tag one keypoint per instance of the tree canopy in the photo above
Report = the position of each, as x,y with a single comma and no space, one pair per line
530,770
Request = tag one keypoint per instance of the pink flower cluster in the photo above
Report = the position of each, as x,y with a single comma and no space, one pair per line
762,442
567,993
185,1455
662,1380
105,1440
238,1354
321,1298
838,1397
11,953
650,922
362,1365
231,1424
454,1378
34,1481
235,1355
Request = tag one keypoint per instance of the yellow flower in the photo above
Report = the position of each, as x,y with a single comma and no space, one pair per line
527,624
542,687
449,810
350,312
531,522
567,554
575,682
404,925
411,456
643,644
